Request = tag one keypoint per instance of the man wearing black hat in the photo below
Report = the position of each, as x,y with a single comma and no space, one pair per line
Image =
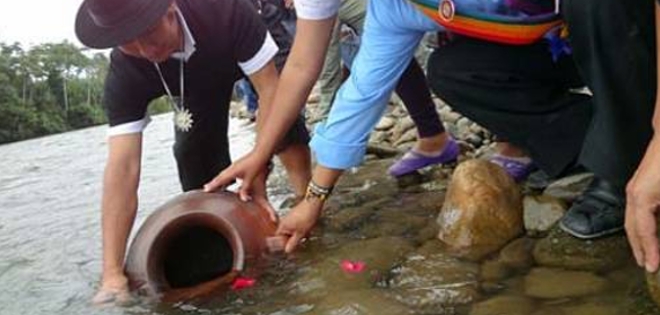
192,52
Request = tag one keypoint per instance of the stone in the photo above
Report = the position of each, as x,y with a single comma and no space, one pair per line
474,128
493,271
385,123
569,188
518,253
378,137
562,250
360,302
393,223
327,277
504,305
463,126
653,283
482,210
591,309
541,213
549,283
474,140
401,127
430,280
382,151
550,311
408,136
448,116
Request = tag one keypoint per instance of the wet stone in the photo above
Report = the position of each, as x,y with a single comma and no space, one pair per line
653,283
482,210
393,224
501,305
351,218
327,277
548,283
541,213
361,302
591,309
494,270
560,249
549,311
640,302
569,188
431,280
518,253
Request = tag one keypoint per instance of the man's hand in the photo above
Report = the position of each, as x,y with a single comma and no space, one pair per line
252,169
260,194
642,202
299,222
247,168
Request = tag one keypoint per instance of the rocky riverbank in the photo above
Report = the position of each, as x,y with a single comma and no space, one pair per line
459,240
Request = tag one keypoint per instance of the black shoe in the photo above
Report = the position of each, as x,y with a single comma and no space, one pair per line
598,212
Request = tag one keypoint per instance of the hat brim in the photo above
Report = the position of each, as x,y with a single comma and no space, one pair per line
95,36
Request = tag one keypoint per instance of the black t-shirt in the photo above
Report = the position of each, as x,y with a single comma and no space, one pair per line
226,33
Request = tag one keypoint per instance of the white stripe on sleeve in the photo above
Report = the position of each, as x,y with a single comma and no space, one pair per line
129,127
265,54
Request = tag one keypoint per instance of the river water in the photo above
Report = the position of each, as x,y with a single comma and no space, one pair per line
50,190
50,245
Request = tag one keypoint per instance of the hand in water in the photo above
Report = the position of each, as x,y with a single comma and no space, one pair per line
113,291
300,220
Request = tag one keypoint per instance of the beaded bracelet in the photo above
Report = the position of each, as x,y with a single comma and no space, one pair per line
314,191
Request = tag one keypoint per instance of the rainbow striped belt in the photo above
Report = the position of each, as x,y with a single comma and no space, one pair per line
505,21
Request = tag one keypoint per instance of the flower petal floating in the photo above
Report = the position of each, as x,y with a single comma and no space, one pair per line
243,283
353,266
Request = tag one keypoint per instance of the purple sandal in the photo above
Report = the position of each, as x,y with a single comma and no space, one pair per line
412,160
517,169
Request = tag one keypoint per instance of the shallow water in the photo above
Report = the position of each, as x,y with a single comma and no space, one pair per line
50,242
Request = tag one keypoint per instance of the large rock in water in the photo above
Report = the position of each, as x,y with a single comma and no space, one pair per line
430,280
482,211
561,250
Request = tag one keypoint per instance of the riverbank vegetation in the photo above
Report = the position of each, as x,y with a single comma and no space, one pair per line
51,88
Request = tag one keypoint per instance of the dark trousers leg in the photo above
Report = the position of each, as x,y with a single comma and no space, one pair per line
614,47
518,93
414,92
202,152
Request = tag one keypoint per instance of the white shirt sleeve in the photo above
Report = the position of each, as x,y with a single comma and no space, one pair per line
268,50
130,127
316,9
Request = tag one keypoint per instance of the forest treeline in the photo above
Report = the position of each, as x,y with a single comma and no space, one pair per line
51,88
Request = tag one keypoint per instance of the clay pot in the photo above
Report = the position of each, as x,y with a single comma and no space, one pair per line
199,243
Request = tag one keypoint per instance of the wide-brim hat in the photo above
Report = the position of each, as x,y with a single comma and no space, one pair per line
110,23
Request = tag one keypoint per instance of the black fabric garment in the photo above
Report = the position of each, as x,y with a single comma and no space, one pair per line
226,32
614,48
518,93
273,12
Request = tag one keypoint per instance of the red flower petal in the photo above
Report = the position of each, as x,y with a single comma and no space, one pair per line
242,283
353,266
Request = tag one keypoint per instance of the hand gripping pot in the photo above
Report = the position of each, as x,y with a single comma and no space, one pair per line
197,243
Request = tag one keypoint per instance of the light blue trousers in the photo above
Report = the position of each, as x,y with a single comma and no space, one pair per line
392,32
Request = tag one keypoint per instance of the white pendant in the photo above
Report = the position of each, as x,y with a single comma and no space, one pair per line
183,120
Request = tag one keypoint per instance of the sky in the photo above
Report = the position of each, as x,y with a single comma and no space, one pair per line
32,22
